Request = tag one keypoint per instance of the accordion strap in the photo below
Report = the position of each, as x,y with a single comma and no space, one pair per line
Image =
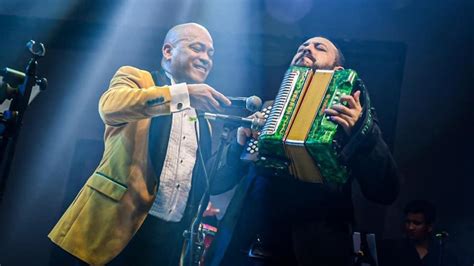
363,126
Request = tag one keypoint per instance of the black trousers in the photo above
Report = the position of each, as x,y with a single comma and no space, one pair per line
157,242
295,223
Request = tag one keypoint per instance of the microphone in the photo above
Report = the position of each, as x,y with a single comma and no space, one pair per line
14,77
442,235
252,103
253,123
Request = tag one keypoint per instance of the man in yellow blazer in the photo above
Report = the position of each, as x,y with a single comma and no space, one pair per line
149,163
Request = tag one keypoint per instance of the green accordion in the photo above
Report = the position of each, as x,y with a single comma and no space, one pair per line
298,138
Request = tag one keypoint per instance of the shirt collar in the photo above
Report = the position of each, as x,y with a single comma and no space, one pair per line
170,77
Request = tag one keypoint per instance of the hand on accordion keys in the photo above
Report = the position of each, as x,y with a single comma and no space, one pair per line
244,133
346,115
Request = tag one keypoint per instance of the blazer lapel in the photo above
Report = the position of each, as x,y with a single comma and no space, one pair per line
160,129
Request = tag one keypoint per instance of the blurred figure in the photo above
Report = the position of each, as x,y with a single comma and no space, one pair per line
420,246
420,217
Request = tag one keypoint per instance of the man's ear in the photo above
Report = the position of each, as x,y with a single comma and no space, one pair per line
338,68
167,51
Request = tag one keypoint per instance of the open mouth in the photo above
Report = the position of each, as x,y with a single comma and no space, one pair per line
200,68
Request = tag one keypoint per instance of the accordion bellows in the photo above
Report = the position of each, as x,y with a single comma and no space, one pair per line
298,138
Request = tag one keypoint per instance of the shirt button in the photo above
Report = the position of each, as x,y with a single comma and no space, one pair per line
177,186
181,161
179,106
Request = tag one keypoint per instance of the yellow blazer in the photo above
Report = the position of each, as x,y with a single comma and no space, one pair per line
116,198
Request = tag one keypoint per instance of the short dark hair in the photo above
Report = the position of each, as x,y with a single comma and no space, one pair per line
340,59
424,207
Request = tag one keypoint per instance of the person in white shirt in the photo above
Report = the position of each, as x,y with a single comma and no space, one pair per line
145,190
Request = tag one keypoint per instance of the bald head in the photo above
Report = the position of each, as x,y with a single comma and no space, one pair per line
187,53
185,31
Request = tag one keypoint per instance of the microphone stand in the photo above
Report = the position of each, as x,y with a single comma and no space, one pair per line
190,257
11,120
441,237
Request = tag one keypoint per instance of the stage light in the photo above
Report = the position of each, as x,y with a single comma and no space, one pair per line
288,11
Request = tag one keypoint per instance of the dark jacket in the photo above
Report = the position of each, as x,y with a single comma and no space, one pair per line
313,214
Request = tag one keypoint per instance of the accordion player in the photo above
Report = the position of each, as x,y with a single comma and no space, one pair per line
298,139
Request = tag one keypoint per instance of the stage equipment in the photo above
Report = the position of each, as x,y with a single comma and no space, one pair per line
195,245
17,87
253,123
252,103
365,249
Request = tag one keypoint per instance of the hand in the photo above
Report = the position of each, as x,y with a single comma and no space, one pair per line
244,133
211,211
346,116
205,98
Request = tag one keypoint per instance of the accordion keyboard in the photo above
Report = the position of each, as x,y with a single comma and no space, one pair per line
282,100
251,150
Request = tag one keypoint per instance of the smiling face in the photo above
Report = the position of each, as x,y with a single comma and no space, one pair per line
188,55
318,53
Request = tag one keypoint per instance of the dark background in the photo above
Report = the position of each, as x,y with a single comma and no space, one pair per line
415,56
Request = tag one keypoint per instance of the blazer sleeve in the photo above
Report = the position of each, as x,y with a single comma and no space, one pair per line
132,95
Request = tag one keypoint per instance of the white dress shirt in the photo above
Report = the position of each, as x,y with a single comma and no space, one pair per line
176,175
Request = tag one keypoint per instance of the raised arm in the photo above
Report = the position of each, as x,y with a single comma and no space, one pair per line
132,96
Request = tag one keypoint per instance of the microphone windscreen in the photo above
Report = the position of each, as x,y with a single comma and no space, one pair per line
253,103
